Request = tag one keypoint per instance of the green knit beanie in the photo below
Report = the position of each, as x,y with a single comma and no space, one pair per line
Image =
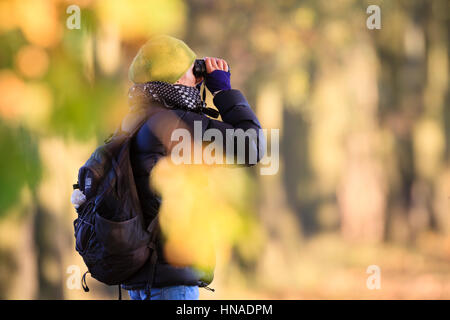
162,58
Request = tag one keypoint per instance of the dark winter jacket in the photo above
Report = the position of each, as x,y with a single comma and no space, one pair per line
153,142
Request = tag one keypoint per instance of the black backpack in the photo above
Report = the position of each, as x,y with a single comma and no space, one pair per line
110,231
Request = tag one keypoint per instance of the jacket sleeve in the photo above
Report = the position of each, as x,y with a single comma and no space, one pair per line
243,141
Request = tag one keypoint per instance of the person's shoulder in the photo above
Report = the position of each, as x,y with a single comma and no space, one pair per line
189,116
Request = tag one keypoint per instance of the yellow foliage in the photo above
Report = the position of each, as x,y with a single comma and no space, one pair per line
199,211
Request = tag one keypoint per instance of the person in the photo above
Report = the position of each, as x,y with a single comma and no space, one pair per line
162,72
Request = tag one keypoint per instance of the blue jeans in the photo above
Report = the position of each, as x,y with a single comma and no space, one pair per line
166,293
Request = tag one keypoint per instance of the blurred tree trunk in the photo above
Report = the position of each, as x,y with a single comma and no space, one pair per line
49,264
410,111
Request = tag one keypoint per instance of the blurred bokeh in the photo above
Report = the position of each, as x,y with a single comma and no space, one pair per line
364,119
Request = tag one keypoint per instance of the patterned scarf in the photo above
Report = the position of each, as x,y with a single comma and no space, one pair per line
172,96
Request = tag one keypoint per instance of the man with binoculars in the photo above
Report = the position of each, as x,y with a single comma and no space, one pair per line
167,77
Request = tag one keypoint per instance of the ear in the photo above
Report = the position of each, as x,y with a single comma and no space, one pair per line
182,80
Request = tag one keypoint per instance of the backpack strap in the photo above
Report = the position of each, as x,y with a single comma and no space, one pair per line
131,124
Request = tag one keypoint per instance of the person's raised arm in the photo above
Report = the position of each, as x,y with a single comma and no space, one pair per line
242,139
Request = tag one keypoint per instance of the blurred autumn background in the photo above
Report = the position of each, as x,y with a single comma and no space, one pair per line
364,119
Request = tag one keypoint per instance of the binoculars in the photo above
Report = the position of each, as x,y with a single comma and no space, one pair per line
199,68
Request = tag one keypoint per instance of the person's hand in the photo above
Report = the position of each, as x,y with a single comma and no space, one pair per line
218,75
213,64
